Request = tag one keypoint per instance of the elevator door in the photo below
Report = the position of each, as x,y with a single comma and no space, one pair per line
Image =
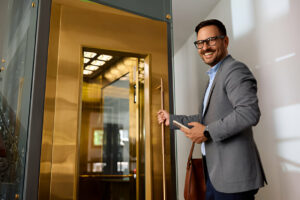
112,141
77,153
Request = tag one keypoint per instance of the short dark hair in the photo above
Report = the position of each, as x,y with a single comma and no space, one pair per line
213,22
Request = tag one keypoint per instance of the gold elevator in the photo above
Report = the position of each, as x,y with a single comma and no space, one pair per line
101,139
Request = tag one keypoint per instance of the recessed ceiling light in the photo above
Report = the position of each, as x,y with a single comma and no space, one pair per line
98,62
92,67
87,72
109,76
130,61
105,57
114,71
121,67
88,54
86,60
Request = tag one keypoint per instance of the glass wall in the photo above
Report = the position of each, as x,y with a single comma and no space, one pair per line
17,46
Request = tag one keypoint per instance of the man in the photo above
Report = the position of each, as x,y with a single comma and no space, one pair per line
232,166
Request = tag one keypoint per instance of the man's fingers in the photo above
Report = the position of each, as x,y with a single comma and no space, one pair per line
193,123
160,119
198,142
186,131
160,112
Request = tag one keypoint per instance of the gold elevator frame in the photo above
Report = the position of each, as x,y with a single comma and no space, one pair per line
75,24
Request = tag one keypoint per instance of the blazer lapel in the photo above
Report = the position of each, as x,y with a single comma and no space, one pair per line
213,85
202,98
210,92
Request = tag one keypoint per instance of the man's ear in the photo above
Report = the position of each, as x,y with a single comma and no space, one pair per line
226,41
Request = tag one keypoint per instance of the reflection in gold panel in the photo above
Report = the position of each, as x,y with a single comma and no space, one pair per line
49,106
75,24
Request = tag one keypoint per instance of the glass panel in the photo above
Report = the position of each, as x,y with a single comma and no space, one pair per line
112,155
17,60
116,152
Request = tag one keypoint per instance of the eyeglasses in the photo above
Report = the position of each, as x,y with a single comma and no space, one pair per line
209,41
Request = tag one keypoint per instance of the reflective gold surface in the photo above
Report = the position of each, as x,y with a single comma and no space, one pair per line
148,136
49,106
75,24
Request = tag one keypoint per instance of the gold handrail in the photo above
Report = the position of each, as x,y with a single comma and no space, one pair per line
163,140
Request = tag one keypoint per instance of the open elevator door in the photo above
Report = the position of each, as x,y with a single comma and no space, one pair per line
112,138
66,161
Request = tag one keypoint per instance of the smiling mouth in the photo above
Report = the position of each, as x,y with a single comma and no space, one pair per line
208,54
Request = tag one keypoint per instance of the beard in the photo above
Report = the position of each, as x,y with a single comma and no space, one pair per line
211,60
214,58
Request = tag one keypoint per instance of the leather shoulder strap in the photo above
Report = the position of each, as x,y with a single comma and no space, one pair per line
191,152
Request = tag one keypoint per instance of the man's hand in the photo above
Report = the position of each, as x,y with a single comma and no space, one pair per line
195,133
163,116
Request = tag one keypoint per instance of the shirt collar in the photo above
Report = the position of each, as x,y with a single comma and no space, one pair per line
215,68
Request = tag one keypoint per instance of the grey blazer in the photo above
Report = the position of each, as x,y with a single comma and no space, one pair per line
232,157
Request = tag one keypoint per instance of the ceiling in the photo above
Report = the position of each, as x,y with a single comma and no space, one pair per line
186,15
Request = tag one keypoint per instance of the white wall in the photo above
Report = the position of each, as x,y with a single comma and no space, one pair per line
264,34
189,83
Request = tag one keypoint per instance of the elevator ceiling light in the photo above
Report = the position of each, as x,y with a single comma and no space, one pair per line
86,60
109,76
87,72
92,67
115,71
130,61
98,62
88,54
121,67
104,57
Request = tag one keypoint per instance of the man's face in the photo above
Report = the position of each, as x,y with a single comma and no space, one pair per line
211,55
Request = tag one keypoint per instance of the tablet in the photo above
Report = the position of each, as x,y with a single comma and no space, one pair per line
179,125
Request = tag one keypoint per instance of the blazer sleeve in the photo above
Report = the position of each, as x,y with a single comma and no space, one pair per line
241,89
184,120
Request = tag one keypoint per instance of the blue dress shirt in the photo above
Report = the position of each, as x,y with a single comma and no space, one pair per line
211,73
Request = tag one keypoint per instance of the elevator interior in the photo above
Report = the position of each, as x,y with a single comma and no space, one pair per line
100,135
112,150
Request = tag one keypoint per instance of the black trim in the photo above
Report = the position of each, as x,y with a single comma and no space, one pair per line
35,126
173,186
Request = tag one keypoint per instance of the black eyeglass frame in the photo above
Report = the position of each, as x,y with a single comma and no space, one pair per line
207,41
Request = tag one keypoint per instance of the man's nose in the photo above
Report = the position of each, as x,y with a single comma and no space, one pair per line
205,46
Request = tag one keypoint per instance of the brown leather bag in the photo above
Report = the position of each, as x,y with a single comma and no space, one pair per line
194,188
